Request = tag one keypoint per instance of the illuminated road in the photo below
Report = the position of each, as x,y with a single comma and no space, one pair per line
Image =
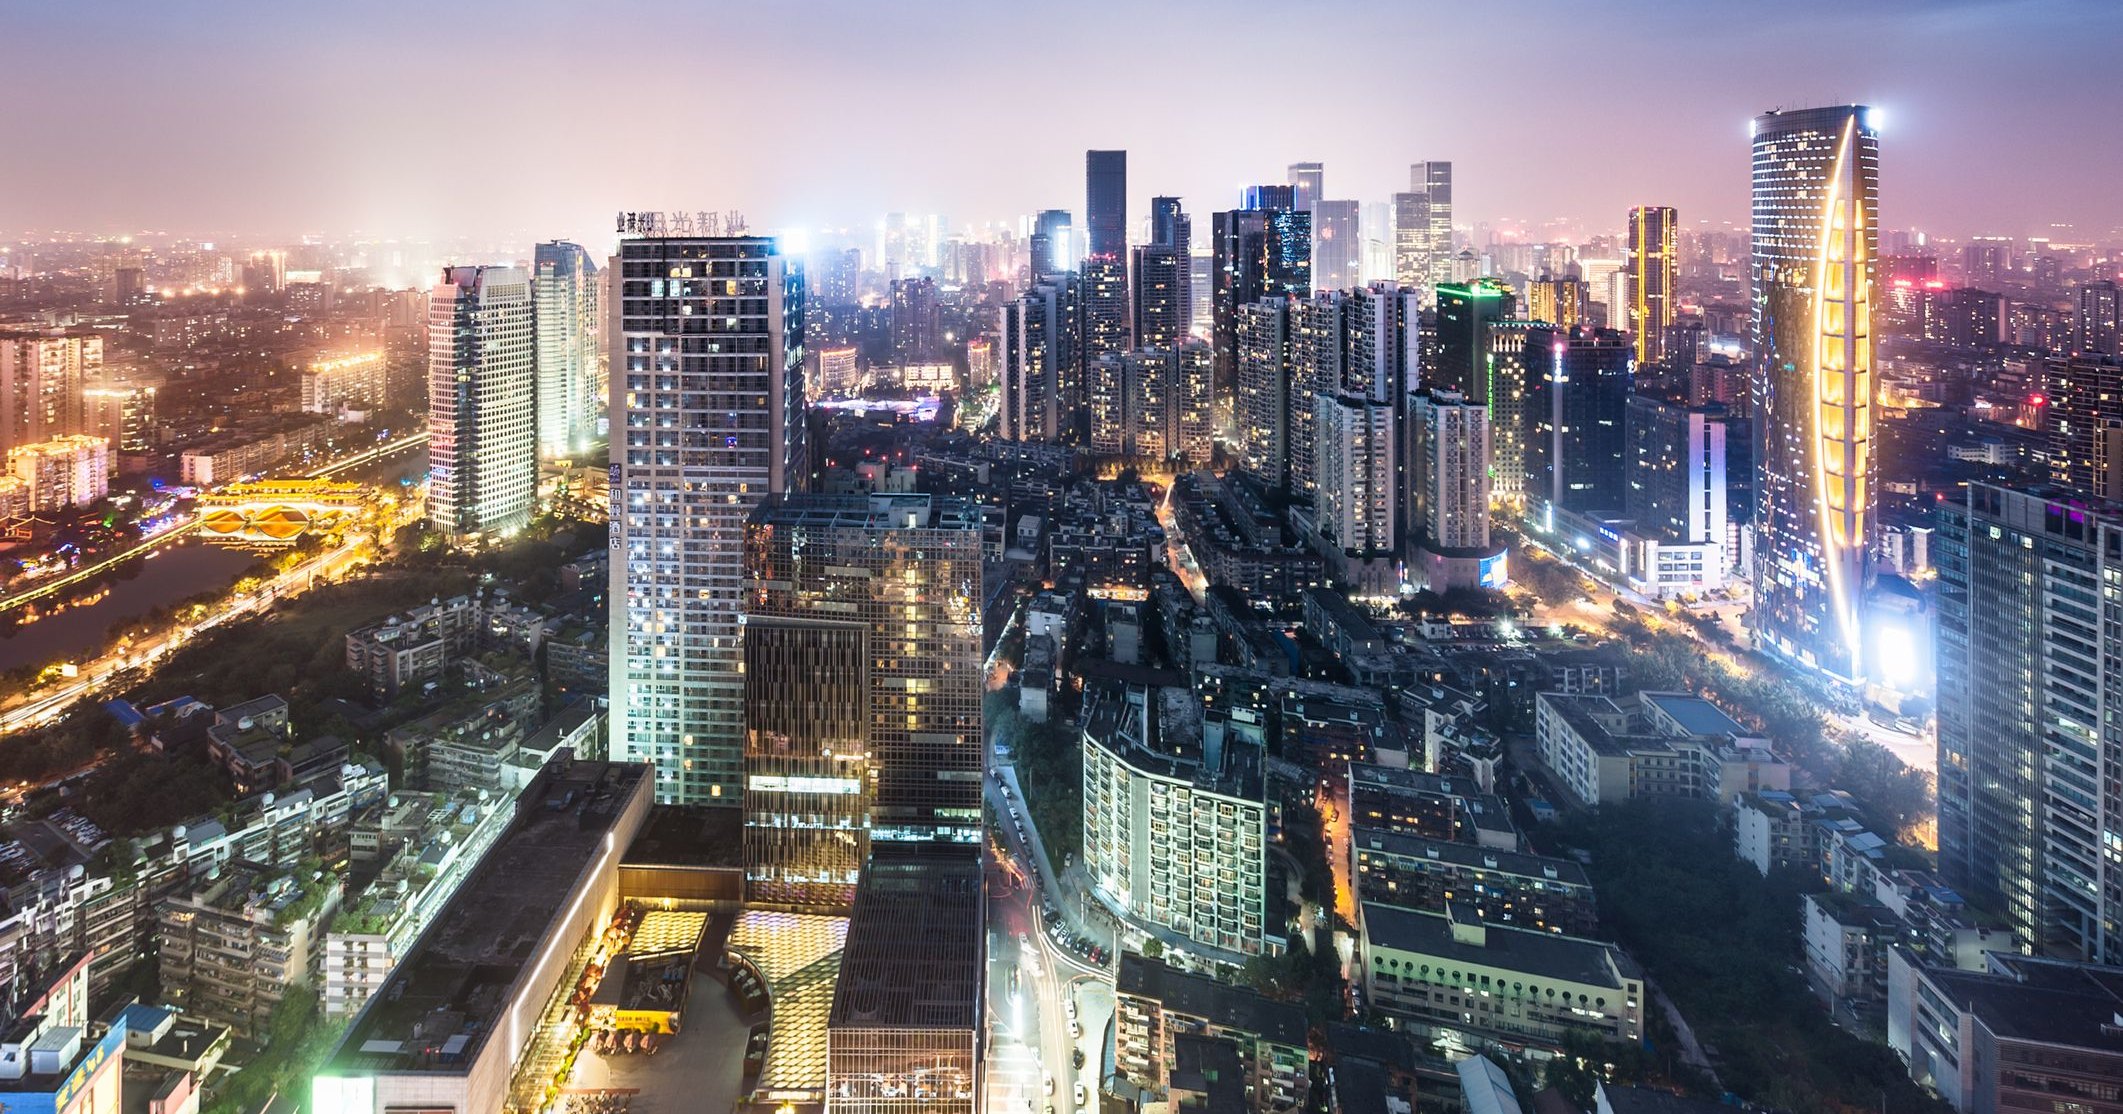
174,533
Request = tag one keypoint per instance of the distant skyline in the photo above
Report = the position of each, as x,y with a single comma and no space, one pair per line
540,119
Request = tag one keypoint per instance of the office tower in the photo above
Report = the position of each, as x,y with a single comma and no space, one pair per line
1465,311
1041,391
1103,302
1411,239
1578,384
1052,251
1606,283
1433,182
1448,474
1196,433
1160,296
1106,205
1305,185
1268,197
482,401
1509,378
2026,717
1168,222
42,375
1676,486
1558,301
1261,405
1256,253
1356,469
564,284
1201,294
917,319
2095,327
1816,208
2085,423
1654,266
1337,250
705,428
863,685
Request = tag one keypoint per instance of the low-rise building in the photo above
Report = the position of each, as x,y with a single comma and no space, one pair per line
1434,806
1655,745
53,1057
1847,939
231,947
1156,1006
2026,1034
1505,887
69,471
1455,973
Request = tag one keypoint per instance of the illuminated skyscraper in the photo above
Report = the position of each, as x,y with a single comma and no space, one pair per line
1576,416
1305,185
1411,239
564,282
1425,230
1257,253
1104,305
1042,392
1261,409
1053,246
1510,372
1465,312
1106,205
1654,269
708,421
1816,209
1558,301
2097,327
1160,295
42,375
1337,252
482,401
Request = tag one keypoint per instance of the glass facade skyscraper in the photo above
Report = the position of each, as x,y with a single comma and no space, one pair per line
1654,269
1815,221
1106,205
708,420
564,284
482,402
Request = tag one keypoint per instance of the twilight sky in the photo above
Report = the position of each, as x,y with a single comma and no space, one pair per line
538,118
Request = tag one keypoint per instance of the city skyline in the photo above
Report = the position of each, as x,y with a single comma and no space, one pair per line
316,160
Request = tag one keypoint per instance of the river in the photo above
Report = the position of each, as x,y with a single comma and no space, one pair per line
175,572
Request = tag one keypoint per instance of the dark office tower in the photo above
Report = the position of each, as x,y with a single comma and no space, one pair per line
1509,385
1160,296
2095,328
1578,383
1677,470
2028,720
917,319
1305,184
1052,251
1104,304
1261,409
1464,313
1268,197
1337,250
1040,389
807,753
1106,204
2085,423
1255,253
1654,267
1816,212
1168,222
905,569
1558,301
702,432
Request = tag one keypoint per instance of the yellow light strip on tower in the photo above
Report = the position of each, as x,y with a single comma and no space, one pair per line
1841,382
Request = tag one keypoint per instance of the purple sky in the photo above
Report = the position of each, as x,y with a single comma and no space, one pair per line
535,119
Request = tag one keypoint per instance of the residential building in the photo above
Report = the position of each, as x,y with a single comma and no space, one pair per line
482,402
1656,745
353,382
1448,474
1505,887
232,947
42,375
1041,366
1156,1007
2097,326
69,471
2083,423
1255,253
1847,939
1816,218
708,415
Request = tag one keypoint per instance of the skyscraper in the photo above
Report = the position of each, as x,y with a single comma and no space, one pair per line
1816,214
2026,719
1337,251
482,401
1041,389
1510,375
2085,423
42,375
1261,408
1448,474
1256,253
1106,204
1578,383
1411,239
1358,505
904,572
1465,312
2095,328
1104,305
1305,185
1654,268
1558,301
564,284
1159,295
1676,470
1053,249
1433,180
708,420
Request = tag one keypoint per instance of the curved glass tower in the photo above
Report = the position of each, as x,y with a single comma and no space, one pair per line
1815,217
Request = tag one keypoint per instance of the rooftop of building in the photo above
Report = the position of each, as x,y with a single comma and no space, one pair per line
1470,856
1643,1100
1696,715
688,835
1126,720
1210,1068
2041,1001
1219,1003
444,1000
914,953
877,511
1541,954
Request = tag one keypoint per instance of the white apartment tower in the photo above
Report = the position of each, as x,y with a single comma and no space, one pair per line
482,402
707,404
565,282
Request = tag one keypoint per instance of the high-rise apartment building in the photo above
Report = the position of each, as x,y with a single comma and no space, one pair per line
1160,296
1357,470
708,420
1337,249
1042,393
1103,302
1578,384
2097,326
2085,423
1306,180
1816,215
2027,722
564,283
1676,482
482,401
64,472
1106,205
1255,254
1510,370
1261,410
42,375
1654,264
1448,474
917,319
